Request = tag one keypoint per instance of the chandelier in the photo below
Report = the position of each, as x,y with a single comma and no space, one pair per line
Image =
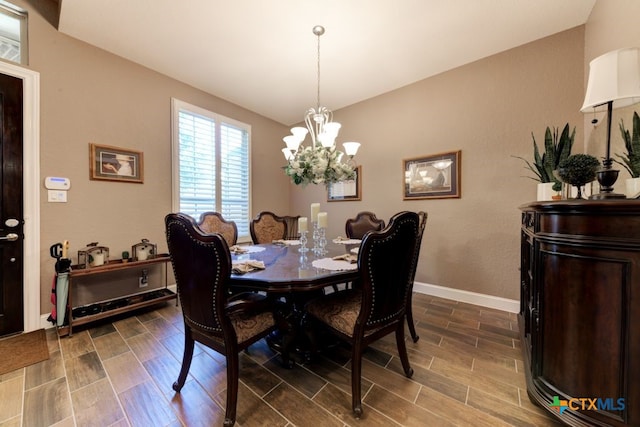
320,162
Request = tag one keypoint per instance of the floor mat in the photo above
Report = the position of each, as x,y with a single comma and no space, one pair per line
23,350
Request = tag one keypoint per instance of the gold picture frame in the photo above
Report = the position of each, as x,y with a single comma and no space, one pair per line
436,176
345,191
108,163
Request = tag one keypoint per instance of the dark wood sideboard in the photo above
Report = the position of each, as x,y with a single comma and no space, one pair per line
580,309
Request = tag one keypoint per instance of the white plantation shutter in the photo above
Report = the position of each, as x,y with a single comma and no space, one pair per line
212,168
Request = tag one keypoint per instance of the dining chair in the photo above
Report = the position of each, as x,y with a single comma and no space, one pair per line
214,222
267,227
292,227
378,306
422,222
202,268
363,222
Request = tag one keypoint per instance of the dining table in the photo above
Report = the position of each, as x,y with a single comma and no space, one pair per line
292,278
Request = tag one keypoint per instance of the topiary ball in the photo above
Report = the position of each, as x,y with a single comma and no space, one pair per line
578,169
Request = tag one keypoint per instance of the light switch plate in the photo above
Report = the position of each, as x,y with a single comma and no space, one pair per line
57,196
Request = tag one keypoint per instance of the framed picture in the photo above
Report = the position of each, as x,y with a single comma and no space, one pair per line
346,190
115,164
432,177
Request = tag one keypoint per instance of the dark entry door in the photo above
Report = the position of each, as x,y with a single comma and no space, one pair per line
11,207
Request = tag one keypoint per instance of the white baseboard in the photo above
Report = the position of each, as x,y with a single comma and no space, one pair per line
489,301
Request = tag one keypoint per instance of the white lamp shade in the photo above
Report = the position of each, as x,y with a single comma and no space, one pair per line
327,140
292,141
299,132
351,148
614,76
331,128
288,155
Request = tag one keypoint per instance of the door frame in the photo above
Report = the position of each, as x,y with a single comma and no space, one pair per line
31,191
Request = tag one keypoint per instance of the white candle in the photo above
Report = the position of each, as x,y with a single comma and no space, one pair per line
322,219
315,208
98,259
302,224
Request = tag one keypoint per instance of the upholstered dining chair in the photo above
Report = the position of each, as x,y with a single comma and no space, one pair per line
422,218
267,227
214,222
363,222
378,306
202,268
292,227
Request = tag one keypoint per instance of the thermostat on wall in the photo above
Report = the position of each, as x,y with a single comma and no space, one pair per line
57,183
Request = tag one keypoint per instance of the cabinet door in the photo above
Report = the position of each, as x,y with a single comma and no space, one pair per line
585,310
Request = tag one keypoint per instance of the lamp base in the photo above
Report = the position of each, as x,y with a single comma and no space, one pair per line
607,177
606,196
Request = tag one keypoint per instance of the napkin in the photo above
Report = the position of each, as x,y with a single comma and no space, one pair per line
347,257
247,266
331,264
235,249
282,242
346,241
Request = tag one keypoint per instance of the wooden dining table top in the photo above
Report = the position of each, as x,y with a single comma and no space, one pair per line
286,270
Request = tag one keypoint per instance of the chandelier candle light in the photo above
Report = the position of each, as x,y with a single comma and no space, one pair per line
320,162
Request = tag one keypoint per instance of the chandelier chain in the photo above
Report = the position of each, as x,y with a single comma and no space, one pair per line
318,66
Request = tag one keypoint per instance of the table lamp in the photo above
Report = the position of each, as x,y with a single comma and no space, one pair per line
614,82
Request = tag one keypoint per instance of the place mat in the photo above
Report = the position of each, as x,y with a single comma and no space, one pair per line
283,242
23,350
345,241
247,266
332,264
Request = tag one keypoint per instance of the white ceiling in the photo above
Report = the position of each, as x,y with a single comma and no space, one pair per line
261,54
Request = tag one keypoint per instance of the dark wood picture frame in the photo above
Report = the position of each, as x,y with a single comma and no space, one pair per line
108,163
346,190
434,176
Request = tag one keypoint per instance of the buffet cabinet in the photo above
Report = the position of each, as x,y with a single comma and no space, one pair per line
580,309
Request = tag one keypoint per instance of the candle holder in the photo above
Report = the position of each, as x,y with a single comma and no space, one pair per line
316,236
322,241
303,242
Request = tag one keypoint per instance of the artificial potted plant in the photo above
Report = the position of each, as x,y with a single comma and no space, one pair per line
577,170
557,147
631,159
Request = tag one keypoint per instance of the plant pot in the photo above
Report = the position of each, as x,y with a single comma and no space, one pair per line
632,188
546,191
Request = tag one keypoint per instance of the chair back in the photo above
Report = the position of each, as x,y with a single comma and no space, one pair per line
365,221
213,222
267,227
385,262
292,227
422,218
201,266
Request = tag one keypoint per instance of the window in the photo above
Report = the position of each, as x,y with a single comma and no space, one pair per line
211,165
13,33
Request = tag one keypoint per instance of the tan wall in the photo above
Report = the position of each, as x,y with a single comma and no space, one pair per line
487,109
89,95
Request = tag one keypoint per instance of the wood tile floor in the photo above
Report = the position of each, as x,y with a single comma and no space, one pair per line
468,372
